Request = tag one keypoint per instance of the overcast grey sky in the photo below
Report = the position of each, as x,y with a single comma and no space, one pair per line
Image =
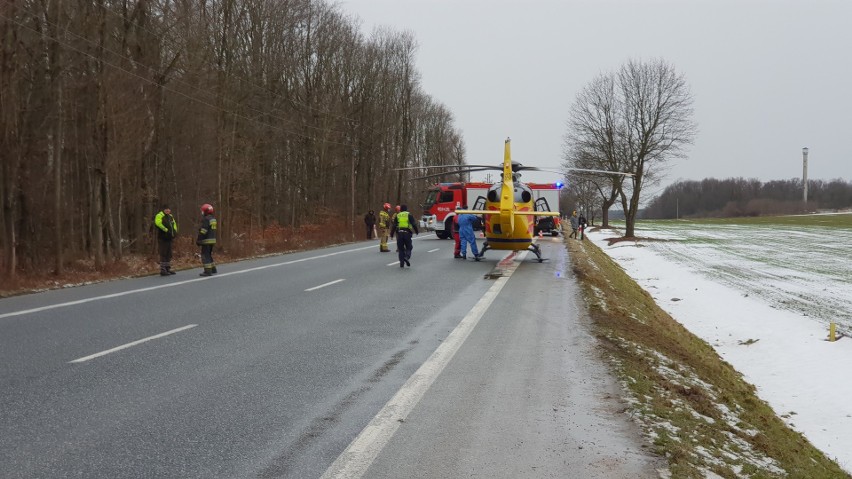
768,77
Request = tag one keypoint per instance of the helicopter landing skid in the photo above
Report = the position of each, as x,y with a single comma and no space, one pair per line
537,250
485,247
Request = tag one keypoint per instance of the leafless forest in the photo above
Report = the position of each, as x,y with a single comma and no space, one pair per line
276,111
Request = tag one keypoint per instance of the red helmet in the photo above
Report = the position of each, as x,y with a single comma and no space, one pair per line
207,209
386,206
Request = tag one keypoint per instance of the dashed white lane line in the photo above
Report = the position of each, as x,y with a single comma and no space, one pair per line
357,458
394,263
433,250
325,284
134,343
176,283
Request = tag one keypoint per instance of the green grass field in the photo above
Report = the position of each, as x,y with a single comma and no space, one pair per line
839,220
780,260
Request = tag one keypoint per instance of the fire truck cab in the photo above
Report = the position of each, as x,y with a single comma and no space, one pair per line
441,202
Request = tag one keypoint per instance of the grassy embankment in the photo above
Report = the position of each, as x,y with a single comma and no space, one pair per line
696,409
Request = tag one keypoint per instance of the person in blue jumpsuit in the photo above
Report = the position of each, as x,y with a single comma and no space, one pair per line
466,234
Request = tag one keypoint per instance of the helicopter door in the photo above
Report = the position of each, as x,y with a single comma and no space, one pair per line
542,205
479,204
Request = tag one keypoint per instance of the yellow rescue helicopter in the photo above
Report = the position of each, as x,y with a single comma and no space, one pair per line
509,208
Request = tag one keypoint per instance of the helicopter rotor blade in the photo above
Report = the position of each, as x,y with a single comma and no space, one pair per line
436,175
581,170
603,172
448,166
534,168
433,166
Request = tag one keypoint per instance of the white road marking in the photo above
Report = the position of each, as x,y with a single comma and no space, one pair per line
325,284
362,451
134,343
433,250
395,263
176,283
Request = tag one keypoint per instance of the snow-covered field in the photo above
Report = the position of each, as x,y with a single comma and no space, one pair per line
763,297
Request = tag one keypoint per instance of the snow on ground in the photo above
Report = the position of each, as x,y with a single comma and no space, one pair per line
763,300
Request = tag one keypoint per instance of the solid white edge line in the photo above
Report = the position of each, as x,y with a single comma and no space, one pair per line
363,450
325,284
134,343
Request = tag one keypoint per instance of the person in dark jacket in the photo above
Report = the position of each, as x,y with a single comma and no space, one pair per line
207,239
574,225
403,224
370,222
167,229
581,223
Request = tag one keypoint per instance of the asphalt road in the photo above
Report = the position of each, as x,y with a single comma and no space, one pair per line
273,367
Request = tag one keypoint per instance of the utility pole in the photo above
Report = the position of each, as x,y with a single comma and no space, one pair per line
805,173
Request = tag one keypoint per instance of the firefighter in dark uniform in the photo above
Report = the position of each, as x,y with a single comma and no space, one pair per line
167,229
384,228
403,224
207,239
393,219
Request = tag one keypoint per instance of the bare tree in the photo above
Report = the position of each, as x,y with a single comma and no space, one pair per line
633,121
270,109
595,140
658,120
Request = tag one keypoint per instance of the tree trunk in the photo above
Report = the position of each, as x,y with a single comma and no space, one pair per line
58,146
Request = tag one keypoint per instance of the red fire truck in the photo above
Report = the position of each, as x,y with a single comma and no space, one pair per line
442,199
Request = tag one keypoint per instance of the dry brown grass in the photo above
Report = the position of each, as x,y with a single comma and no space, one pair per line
326,230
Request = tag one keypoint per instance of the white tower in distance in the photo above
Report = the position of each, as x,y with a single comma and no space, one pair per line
805,172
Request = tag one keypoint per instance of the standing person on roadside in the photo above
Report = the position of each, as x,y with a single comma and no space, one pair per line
370,222
457,250
466,234
384,228
574,225
395,212
167,229
581,221
402,227
392,220
207,239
